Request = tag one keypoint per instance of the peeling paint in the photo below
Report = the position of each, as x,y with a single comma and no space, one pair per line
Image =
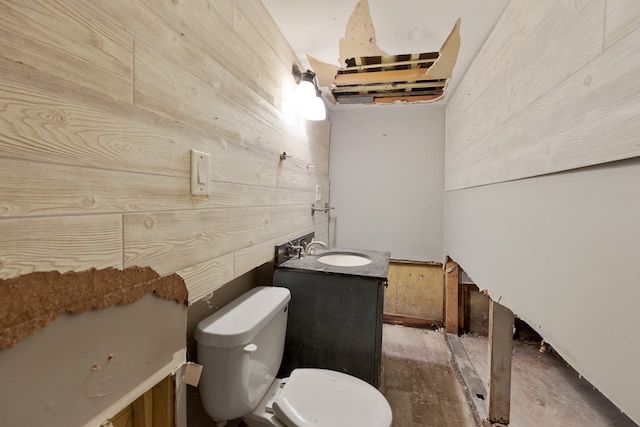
32,301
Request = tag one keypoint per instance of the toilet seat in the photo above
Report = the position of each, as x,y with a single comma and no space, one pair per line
320,397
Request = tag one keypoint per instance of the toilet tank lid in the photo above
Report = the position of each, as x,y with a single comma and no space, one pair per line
239,322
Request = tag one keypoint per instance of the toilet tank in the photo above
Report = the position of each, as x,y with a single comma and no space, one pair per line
240,348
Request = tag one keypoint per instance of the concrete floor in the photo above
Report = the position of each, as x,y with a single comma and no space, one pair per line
545,391
424,389
419,380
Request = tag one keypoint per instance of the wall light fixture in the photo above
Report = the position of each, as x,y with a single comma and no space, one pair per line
308,95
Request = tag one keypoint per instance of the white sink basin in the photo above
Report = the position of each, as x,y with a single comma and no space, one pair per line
344,259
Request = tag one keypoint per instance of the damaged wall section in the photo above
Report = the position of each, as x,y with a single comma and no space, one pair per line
370,75
82,368
32,301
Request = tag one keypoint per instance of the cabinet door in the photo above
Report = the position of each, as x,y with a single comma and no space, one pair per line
335,322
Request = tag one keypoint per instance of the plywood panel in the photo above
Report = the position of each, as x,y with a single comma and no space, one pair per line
68,42
416,290
62,244
589,118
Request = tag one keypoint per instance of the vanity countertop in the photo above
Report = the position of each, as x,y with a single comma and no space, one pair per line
378,268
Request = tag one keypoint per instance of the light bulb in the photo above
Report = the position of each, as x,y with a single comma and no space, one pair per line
315,109
305,91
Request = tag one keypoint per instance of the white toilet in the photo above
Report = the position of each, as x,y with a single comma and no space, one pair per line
241,346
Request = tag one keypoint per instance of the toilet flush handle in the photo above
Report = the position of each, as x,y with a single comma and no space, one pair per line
250,348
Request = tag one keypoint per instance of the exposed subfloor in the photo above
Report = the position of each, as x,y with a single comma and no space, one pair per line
419,380
545,391
424,389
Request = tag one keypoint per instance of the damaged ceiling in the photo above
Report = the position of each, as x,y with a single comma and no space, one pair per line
376,51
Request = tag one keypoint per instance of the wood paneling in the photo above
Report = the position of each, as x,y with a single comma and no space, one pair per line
68,42
100,105
623,16
205,277
168,241
505,123
578,124
73,243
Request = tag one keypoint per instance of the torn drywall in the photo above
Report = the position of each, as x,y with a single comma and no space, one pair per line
360,36
375,76
443,67
31,301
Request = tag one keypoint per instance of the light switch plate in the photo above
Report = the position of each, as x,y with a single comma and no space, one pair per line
318,193
200,184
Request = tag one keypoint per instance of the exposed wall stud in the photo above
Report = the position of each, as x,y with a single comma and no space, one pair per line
451,297
500,349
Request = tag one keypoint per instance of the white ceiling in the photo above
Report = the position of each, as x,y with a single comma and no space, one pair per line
401,27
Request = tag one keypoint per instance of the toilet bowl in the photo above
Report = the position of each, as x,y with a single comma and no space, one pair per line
240,348
320,397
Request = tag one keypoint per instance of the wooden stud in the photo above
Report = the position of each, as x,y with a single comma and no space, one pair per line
451,297
143,410
408,98
383,77
500,349
389,86
164,403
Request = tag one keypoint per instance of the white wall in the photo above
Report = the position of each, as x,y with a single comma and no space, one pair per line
386,174
541,209
82,369
562,252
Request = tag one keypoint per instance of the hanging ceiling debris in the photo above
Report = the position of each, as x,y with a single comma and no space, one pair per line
369,75
388,78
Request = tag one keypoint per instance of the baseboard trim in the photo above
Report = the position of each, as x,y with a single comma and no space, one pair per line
411,321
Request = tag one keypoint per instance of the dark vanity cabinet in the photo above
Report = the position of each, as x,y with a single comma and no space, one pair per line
335,320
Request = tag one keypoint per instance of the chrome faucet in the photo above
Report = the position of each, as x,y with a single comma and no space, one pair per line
311,245
298,249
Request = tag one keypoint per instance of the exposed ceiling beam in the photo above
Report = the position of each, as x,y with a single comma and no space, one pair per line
388,87
417,74
392,99
359,67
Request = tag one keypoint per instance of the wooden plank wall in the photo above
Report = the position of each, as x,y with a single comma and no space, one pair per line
100,105
554,88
